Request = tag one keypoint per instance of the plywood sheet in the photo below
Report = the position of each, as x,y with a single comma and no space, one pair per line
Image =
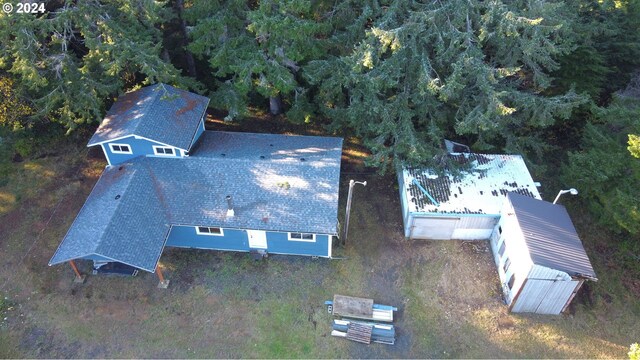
352,306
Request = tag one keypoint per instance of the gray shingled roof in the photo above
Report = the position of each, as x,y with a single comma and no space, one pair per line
115,223
277,182
294,187
159,112
550,236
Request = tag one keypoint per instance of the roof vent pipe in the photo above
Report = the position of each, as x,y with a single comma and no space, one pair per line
230,211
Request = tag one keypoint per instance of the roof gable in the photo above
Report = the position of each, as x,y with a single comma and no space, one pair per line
550,236
481,190
159,112
127,216
115,224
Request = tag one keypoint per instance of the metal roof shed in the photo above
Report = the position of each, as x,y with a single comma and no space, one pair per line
540,258
464,207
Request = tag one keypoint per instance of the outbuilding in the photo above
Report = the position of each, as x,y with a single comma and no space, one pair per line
541,261
463,206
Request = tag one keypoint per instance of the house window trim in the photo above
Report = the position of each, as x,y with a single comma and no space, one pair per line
114,151
312,240
209,233
156,147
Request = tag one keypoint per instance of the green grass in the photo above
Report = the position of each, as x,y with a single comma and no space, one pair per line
226,305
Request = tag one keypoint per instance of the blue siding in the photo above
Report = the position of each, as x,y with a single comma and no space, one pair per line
198,132
139,147
279,244
185,236
237,240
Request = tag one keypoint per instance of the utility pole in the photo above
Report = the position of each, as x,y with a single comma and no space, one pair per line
346,221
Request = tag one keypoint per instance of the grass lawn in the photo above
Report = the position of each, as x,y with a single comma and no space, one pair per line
221,305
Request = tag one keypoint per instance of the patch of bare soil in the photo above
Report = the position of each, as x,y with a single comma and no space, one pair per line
633,285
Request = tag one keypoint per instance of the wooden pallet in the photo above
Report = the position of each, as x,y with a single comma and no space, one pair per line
359,332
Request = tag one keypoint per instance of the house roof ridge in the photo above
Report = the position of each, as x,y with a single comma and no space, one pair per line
102,231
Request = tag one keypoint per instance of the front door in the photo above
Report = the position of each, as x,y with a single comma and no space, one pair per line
257,239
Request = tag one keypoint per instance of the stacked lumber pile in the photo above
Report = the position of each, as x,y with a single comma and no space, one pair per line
360,320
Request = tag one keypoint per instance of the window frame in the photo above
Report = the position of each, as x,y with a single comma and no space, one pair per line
301,239
506,265
502,249
209,233
114,151
511,282
163,148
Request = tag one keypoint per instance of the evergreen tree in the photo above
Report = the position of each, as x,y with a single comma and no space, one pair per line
74,58
13,110
255,48
420,71
607,51
605,169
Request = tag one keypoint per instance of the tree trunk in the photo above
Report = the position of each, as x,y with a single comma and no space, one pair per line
165,56
275,105
188,57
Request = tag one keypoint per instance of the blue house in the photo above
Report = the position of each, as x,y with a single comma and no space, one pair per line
169,182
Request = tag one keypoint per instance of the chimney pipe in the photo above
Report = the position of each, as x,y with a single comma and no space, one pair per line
230,211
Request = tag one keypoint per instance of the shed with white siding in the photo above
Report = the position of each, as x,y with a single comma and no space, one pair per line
541,261
465,206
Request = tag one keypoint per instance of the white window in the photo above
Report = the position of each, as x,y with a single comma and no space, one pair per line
163,151
212,231
120,148
302,237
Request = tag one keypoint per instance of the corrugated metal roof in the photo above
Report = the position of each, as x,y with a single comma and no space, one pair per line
550,236
278,183
159,112
481,190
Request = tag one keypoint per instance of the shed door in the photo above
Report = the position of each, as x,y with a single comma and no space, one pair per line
257,239
544,296
434,228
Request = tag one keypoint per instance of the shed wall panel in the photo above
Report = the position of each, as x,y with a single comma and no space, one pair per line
531,295
471,234
453,226
557,297
544,296
403,204
542,272
433,228
515,251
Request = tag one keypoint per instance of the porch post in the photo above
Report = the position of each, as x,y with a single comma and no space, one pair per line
163,284
79,277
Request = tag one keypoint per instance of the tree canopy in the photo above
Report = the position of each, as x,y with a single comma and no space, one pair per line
71,61
606,168
420,72
400,75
